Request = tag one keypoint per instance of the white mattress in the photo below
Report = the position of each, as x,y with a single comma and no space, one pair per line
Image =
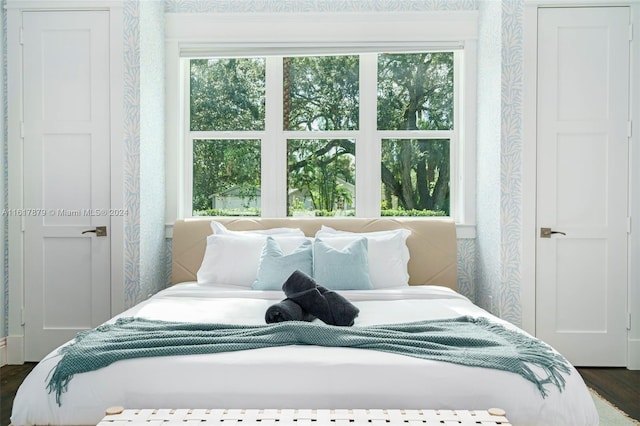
299,376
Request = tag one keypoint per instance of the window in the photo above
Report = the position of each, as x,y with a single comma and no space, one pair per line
336,124
227,99
324,120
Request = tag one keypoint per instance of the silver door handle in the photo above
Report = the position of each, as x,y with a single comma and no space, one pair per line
547,232
100,231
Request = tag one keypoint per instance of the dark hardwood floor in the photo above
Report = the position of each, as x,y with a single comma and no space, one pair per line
619,386
11,376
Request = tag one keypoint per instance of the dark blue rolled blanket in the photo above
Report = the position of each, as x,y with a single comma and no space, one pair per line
286,310
327,305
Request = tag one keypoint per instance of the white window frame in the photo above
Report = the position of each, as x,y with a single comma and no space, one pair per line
199,35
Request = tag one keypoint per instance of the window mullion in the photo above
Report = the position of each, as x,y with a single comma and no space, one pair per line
368,142
455,180
187,189
321,134
417,134
187,157
463,170
274,145
233,134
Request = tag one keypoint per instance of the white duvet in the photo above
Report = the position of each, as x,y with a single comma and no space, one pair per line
299,376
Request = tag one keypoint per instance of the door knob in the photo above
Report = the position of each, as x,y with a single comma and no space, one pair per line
547,232
100,231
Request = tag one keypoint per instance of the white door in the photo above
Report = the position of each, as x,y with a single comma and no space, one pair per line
582,178
66,176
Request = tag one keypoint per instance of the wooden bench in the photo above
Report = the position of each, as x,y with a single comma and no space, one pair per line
299,417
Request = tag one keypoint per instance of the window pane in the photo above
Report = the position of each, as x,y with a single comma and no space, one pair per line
415,177
321,178
321,93
226,177
227,94
415,91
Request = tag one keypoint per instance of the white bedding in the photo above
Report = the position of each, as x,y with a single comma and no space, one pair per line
299,376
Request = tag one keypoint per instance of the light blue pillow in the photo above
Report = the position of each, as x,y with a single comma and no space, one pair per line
342,269
275,267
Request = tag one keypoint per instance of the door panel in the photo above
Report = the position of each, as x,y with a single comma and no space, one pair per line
66,175
66,163
583,89
68,266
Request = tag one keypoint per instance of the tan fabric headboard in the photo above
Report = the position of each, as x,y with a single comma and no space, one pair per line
432,243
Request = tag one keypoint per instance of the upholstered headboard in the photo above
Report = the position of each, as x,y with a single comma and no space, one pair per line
432,243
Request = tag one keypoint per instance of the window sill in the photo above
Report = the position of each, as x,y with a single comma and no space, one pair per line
463,232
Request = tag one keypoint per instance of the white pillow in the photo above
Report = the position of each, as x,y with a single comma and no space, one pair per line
232,259
388,253
219,228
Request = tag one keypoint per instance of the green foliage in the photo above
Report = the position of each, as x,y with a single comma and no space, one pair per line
322,213
220,166
227,94
321,92
326,213
415,91
417,213
319,169
227,212
415,174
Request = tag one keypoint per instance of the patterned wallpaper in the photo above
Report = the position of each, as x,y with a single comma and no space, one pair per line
467,268
510,281
499,198
506,283
152,180
145,267
131,83
488,155
254,6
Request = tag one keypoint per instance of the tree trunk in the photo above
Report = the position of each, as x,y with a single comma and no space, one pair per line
441,189
392,186
425,200
407,199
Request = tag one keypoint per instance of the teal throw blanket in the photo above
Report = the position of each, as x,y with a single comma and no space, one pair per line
464,340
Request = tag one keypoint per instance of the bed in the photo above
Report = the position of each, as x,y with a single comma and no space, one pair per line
411,264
